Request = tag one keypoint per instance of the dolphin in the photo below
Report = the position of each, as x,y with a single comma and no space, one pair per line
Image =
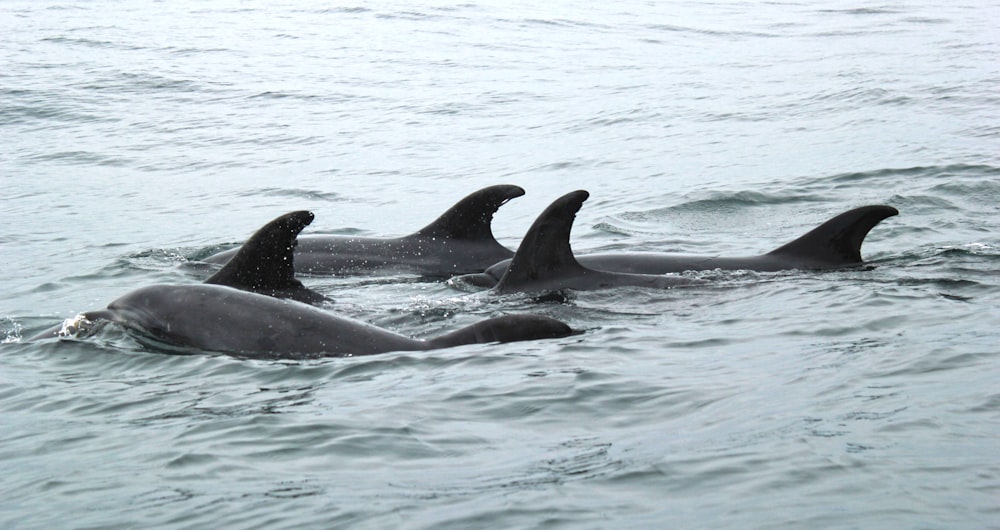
223,319
833,244
460,241
544,261
238,310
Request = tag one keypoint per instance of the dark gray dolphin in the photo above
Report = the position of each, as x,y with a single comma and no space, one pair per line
834,244
222,319
544,261
459,241
265,263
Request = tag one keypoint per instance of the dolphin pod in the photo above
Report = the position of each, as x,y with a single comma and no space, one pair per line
251,307
255,305
460,241
545,261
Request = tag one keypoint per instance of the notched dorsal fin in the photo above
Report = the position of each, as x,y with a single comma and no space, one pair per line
266,261
838,241
545,251
472,217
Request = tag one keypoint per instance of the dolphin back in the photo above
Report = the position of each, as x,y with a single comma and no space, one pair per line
507,328
545,253
837,242
472,217
265,263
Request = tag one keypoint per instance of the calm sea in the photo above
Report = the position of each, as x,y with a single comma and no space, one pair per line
137,137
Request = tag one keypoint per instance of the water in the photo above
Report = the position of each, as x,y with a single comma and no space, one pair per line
139,136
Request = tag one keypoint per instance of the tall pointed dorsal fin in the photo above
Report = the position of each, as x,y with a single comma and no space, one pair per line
471,217
545,252
266,261
837,241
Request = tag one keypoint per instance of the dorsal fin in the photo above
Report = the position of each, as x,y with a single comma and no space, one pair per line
471,217
837,241
545,252
266,261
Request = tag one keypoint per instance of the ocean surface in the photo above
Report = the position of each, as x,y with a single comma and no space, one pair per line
139,137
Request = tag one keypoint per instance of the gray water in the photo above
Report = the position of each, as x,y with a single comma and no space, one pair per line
138,137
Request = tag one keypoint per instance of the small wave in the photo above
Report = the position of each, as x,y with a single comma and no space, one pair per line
723,201
88,42
187,51
284,95
548,24
562,22
627,118
561,165
573,460
840,98
972,249
926,20
862,11
977,191
718,204
334,10
31,114
950,257
142,84
624,225
955,187
946,171
710,32
982,131
295,193
407,15
950,187
920,202
84,157
989,405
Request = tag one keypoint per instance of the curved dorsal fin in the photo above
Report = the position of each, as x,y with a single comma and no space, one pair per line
837,241
471,217
266,261
545,252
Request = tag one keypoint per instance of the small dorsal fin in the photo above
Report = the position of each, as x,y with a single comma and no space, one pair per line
837,241
471,217
266,261
545,252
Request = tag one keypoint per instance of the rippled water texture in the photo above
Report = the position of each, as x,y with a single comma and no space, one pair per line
139,137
